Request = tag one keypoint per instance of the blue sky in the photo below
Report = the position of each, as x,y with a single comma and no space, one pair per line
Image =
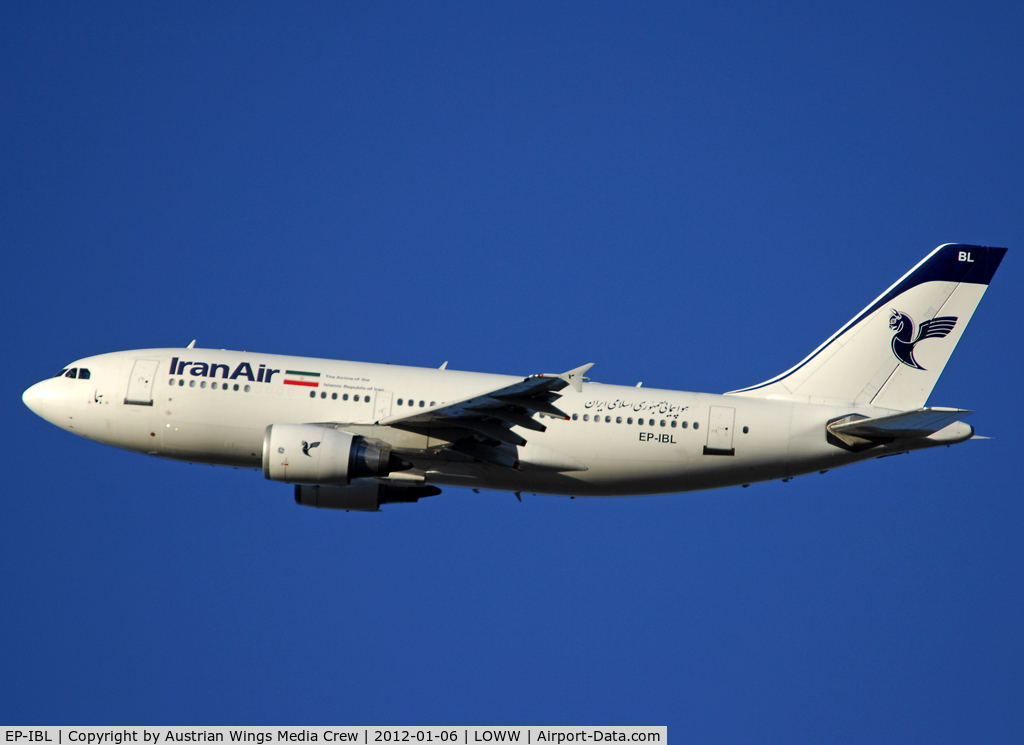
691,196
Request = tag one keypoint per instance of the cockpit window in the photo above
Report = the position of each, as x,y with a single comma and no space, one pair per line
72,373
61,373
83,373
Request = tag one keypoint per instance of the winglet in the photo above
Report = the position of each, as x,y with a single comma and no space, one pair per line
575,377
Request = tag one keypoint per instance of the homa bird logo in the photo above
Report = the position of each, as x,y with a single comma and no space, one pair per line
904,341
306,447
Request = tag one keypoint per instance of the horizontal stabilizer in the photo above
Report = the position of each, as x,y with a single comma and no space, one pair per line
917,423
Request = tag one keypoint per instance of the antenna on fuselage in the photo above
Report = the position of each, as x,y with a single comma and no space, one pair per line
442,367
191,344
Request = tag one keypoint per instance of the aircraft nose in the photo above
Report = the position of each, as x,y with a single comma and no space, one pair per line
39,399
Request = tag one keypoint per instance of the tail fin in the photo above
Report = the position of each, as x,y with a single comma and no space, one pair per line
891,354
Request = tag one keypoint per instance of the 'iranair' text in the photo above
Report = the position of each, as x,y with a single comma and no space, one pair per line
211,369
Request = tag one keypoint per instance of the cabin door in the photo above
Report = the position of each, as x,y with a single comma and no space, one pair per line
140,384
720,426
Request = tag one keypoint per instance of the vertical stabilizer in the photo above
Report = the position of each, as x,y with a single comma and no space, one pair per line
891,354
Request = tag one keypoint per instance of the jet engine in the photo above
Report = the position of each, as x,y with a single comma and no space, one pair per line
365,496
320,454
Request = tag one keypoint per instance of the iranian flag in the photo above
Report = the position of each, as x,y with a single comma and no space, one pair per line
300,377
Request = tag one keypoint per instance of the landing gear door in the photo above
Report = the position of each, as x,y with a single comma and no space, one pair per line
720,426
140,384
382,406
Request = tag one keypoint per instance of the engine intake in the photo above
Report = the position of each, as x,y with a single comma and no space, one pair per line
319,454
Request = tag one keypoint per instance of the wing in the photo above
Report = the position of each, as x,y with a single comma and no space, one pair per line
936,328
485,419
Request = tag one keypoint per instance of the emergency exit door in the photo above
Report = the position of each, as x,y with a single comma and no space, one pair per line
720,426
382,406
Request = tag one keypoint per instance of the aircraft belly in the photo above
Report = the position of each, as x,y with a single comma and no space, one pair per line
213,443
773,440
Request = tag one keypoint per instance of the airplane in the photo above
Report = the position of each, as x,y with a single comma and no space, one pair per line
355,436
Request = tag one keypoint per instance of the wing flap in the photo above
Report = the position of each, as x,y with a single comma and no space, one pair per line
494,431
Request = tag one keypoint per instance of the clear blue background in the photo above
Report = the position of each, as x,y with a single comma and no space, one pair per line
690,196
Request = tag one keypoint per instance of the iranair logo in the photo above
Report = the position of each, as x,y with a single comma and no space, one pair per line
904,340
244,370
306,447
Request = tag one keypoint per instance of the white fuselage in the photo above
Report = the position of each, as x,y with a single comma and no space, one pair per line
631,440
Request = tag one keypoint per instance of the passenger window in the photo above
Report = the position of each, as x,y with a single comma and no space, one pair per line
399,402
651,422
696,425
344,397
334,396
411,402
662,422
72,373
247,389
236,386
191,384
83,373
618,420
684,425
629,420
431,403
586,417
575,417
746,430
312,394
181,382
323,394
61,373
608,419
214,385
673,422
172,382
422,404
203,384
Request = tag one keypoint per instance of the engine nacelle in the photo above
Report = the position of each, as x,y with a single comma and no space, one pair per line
365,496
318,454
